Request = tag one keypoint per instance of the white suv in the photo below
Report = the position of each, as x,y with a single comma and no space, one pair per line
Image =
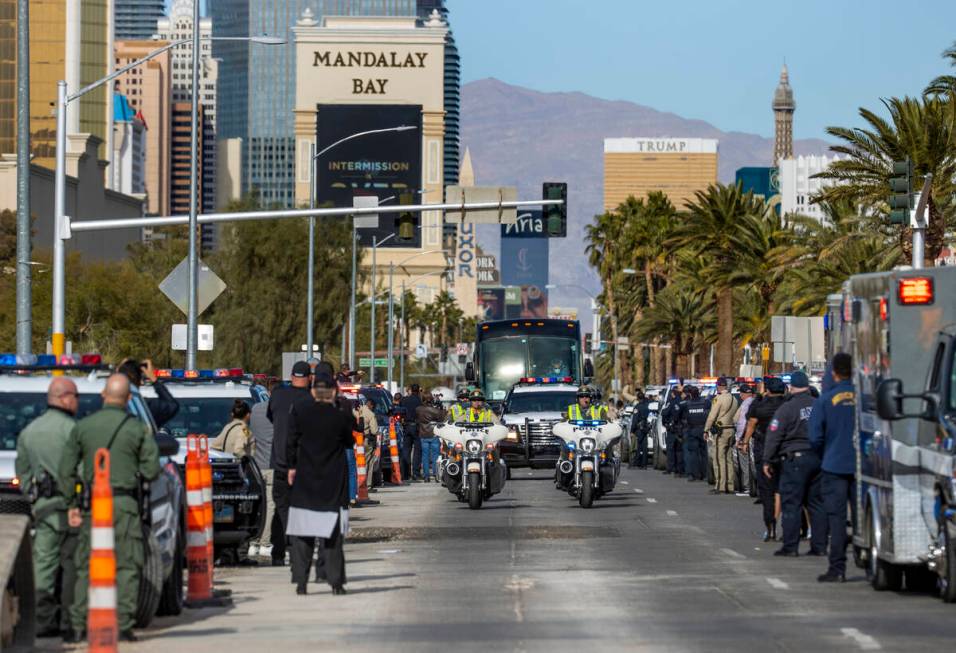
531,408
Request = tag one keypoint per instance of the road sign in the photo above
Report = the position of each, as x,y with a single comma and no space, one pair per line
463,194
461,348
421,351
379,362
370,220
205,342
176,286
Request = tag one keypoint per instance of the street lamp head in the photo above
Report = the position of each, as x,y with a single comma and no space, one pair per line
405,128
268,40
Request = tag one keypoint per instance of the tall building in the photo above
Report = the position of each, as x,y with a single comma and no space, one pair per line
452,90
79,55
798,185
128,164
257,82
179,26
783,108
149,90
181,146
136,19
677,166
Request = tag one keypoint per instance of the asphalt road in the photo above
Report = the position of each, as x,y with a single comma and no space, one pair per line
659,565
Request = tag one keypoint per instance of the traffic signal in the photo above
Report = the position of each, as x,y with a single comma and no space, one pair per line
901,192
556,216
407,221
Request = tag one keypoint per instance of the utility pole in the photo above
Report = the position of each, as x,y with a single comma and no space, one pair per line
24,281
192,304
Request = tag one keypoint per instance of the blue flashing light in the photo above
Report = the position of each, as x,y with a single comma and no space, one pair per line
8,359
46,359
207,374
178,374
571,445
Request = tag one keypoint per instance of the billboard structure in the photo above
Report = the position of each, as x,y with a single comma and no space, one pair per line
524,266
381,165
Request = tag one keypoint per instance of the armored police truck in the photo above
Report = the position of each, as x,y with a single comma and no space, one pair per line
899,328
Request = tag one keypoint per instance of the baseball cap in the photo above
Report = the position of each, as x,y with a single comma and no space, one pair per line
799,380
774,385
746,387
301,370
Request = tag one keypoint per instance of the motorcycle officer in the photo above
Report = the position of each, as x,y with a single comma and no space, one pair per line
477,411
583,409
692,417
457,411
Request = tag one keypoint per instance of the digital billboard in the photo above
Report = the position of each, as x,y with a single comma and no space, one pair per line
384,165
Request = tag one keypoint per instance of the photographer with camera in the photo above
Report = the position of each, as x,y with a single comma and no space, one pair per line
39,450
164,405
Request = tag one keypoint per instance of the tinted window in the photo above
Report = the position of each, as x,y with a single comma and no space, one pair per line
952,383
18,409
381,403
543,402
201,415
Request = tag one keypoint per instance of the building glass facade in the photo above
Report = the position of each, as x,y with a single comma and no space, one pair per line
136,19
257,83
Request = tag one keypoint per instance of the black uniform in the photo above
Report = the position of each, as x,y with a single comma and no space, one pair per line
639,429
692,418
163,406
280,405
675,456
787,438
762,409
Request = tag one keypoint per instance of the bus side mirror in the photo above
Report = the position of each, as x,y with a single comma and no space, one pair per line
588,368
889,399
470,372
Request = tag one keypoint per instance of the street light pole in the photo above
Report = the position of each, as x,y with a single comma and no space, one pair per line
61,229
402,337
192,304
309,317
352,304
372,340
24,279
391,329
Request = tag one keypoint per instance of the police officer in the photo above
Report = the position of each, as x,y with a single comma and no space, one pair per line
692,416
133,455
639,429
670,415
582,409
759,414
788,438
457,410
477,411
39,450
831,435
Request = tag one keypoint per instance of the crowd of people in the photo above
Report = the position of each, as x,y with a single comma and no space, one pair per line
788,446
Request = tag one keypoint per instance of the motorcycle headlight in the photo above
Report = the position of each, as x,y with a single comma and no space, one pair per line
473,446
587,445
513,435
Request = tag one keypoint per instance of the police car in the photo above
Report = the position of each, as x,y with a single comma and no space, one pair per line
23,386
657,438
530,409
206,398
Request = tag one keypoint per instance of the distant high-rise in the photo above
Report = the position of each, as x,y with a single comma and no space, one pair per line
452,90
69,41
783,108
136,19
256,94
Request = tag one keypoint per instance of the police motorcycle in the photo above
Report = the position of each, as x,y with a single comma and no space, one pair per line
589,469
472,470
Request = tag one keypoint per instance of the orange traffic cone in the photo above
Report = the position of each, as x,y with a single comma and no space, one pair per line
393,451
206,477
360,464
197,554
101,621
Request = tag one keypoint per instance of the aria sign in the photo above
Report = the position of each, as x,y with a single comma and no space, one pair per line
369,59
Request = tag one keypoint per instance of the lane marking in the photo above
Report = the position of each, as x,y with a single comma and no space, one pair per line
778,584
639,491
519,585
672,513
651,500
864,641
390,551
733,554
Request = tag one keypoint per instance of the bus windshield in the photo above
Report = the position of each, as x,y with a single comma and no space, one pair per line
505,360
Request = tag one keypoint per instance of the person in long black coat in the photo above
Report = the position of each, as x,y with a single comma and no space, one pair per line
319,434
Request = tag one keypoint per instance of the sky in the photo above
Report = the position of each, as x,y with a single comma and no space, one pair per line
716,60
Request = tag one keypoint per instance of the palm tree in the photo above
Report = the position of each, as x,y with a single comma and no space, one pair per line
680,315
923,130
711,229
603,249
944,83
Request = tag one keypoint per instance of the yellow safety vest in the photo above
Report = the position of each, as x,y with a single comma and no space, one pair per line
483,415
574,412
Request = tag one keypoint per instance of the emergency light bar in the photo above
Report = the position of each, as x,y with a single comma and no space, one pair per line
49,360
914,291
588,422
192,375
546,379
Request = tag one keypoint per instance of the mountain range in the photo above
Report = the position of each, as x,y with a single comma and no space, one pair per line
521,137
